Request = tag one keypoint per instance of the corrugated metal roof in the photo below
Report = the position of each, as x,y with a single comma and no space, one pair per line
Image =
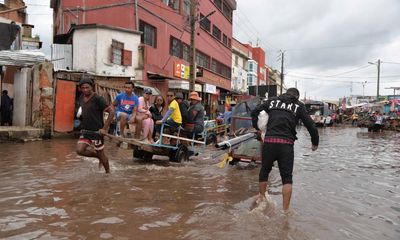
21,58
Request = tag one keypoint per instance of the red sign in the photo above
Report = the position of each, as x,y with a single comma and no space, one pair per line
177,70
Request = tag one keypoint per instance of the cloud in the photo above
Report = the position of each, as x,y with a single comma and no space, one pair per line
324,38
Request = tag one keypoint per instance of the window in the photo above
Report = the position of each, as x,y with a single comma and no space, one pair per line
229,43
236,60
175,47
186,52
227,11
174,4
205,23
186,6
218,3
149,34
202,60
251,80
225,39
252,66
119,55
244,64
117,50
216,32
179,49
220,69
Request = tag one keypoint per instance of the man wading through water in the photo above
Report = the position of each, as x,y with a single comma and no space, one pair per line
284,112
93,128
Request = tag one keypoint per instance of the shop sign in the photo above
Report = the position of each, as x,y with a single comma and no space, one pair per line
181,70
184,85
209,88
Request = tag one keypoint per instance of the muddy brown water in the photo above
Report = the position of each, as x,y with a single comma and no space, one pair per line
348,189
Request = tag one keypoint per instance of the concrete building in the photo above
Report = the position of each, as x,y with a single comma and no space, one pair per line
240,58
13,10
105,51
252,76
25,75
258,55
165,39
274,78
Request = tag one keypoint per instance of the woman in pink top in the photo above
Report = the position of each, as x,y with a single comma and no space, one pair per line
143,111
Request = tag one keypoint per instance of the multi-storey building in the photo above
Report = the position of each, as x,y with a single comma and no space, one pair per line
274,78
164,51
252,77
240,57
258,55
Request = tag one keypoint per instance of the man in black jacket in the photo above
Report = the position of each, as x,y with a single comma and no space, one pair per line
284,113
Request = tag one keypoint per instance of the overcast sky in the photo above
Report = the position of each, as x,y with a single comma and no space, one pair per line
322,41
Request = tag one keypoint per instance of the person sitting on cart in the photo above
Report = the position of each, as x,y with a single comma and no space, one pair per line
173,117
183,107
126,104
146,116
157,110
195,124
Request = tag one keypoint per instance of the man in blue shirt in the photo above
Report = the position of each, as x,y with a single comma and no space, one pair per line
126,104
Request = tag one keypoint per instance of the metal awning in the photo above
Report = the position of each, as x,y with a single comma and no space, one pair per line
21,58
153,75
154,90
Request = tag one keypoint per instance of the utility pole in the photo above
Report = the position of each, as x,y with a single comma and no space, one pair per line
363,84
282,75
379,73
378,64
193,67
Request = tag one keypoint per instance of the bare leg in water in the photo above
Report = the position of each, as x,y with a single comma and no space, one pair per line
122,123
82,150
104,160
287,194
262,190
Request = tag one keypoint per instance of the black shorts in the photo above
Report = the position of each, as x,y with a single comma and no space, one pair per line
93,139
284,154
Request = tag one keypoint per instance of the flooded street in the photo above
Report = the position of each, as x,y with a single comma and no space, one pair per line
348,189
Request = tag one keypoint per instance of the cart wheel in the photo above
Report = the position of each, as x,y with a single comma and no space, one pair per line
211,138
138,153
147,156
234,161
179,155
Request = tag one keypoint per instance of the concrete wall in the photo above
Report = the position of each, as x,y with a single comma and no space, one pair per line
103,62
21,81
84,50
92,51
42,97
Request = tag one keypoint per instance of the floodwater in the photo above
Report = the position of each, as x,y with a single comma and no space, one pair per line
348,189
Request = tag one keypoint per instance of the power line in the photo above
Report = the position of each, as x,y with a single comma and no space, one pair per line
255,28
334,47
336,74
